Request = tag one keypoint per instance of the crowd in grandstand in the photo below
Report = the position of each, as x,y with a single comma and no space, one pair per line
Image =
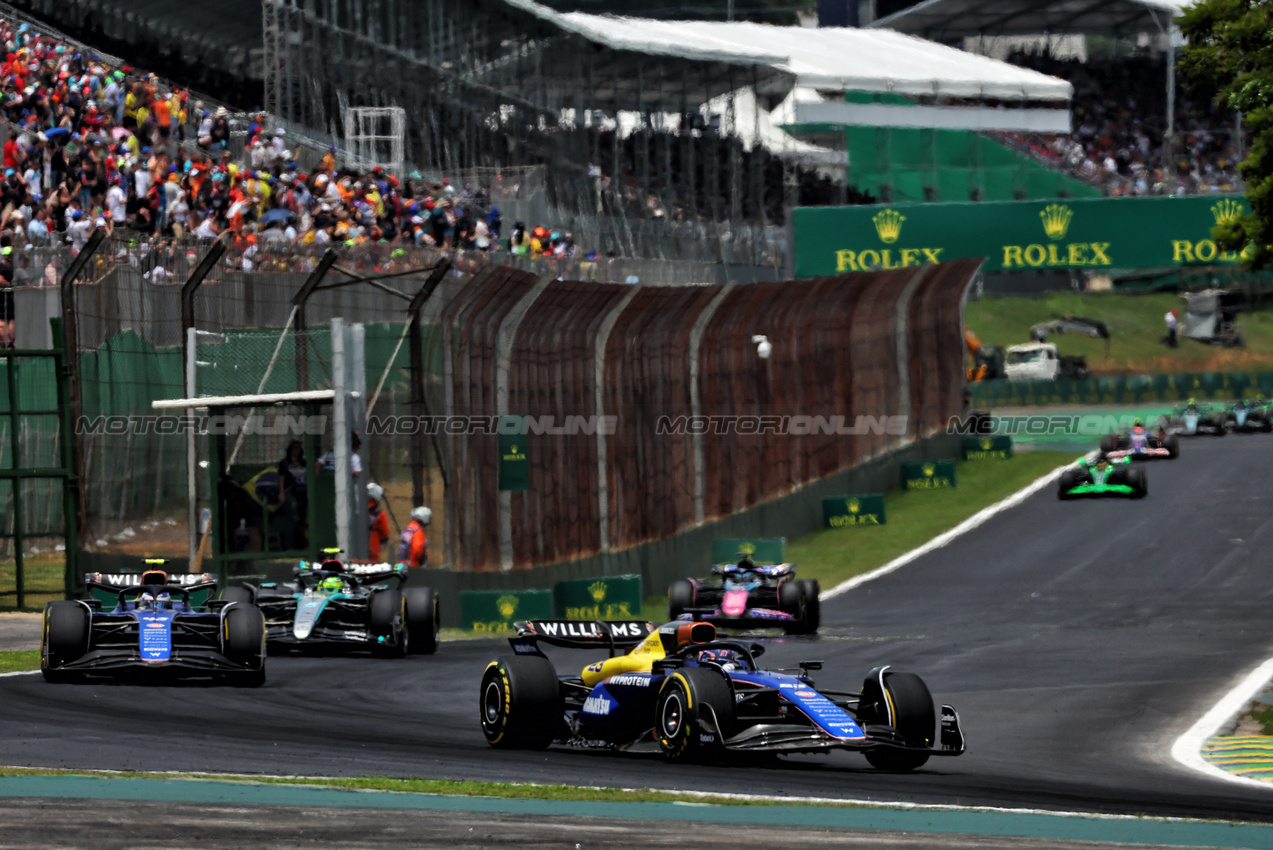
1119,118
89,146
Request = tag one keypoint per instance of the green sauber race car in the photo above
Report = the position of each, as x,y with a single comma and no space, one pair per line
1096,475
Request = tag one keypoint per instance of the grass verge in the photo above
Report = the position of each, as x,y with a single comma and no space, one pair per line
915,517
16,662
446,787
1136,328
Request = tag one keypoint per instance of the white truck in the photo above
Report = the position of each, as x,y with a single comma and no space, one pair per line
1039,360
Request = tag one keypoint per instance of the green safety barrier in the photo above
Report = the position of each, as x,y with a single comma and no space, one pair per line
929,475
606,598
853,511
998,447
497,610
1093,233
1133,389
762,550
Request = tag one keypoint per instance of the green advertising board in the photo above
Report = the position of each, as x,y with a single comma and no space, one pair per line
929,475
497,610
514,466
762,550
985,447
1096,233
606,598
1128,389
864,509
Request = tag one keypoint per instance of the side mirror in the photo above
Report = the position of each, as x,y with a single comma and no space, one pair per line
810,665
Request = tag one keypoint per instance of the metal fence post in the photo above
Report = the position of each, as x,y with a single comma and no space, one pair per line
298,307
419,406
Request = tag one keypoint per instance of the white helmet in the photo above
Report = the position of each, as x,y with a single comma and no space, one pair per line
375,491
422,515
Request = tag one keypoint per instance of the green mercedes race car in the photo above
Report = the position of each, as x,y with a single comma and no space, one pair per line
1097,475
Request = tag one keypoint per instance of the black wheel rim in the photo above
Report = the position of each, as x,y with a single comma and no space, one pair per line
670,718
492,701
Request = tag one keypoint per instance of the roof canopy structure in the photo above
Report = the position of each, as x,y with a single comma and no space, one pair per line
776,59
950,19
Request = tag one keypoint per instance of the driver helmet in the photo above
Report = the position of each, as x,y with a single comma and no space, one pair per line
163,600
332,584
145,602
726,659
1138,422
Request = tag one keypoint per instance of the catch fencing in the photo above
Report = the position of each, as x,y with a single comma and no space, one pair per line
700,425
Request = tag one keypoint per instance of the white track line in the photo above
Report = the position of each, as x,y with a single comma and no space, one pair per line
942,539
19,673
1188,747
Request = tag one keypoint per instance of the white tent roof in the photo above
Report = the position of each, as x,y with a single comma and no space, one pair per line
832,58
946,19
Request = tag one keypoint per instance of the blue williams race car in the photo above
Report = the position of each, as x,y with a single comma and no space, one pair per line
682,692
153,625
747,595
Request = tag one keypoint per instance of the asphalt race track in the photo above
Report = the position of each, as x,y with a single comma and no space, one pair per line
1077,641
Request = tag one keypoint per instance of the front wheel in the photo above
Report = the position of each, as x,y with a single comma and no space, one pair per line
813,605
694,714
66,634
520,704
792,599
423,620
243,643
904,703
1139,483
1172,444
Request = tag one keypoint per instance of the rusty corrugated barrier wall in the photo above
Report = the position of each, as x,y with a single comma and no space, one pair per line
703,426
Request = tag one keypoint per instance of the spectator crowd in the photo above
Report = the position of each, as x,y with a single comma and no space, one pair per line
1119,119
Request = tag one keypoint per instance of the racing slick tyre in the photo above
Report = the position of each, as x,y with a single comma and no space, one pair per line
812,605
694,714
792,599
521,707
1218,423
235,593
1172,444
1069,480
1139,483
908,703
66,628
423,620
243,642
1109,443
388,617
680,595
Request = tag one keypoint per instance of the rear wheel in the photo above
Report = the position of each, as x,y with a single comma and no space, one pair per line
66,630
423,621
1069,480
813,605
520,703
694,714
244,644
907,703
680,595
388,617
1109,443
236,593
1172,444
792,600
1139,483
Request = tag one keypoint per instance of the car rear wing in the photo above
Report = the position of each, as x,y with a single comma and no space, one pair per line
770,570
579,634
107,587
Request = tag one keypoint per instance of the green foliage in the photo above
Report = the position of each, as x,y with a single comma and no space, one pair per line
1230,49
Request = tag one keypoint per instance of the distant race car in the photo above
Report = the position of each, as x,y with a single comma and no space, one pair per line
1247,417
682,692
1194,420
749,595
352,606
1099,475
1141,444
153,625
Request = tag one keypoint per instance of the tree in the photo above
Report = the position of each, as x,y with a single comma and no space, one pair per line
1230,49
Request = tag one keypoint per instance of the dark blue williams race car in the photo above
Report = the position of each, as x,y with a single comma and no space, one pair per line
153,625
681,691
747,595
